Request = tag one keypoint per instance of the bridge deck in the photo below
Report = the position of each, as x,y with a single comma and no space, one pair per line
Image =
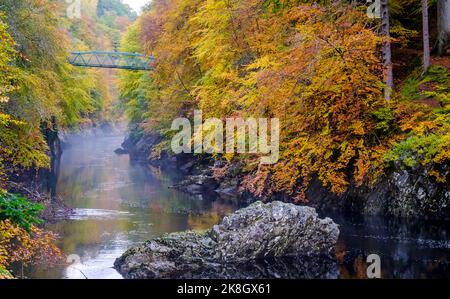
112,60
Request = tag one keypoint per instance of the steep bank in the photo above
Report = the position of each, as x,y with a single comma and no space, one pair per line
295,64
401,192
39,185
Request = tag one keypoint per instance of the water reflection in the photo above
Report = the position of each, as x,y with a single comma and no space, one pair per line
407,248
119,204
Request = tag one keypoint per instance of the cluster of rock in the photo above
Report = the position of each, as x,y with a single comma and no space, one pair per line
260,241
139,146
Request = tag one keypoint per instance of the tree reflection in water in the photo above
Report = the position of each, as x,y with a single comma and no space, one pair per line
121,204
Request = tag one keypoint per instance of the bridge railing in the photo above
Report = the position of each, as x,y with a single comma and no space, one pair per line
112,60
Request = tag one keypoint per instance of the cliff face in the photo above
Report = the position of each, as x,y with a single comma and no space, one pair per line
409,193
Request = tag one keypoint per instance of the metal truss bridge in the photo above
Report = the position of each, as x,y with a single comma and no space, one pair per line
111,60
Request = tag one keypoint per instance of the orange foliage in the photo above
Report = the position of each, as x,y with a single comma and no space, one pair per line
35,247
314,67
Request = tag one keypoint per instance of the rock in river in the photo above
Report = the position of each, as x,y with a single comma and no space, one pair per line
261,241
120,151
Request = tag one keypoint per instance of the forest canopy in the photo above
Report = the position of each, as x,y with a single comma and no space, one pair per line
315,65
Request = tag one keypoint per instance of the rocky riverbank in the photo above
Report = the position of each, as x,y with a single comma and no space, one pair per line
277,240
400,192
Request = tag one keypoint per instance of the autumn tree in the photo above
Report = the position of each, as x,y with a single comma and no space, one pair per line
303,64
426,36
315,66
387,55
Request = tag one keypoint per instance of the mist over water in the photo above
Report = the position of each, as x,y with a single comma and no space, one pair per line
118,203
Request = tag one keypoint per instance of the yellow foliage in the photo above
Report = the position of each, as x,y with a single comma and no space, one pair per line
316,67
18,245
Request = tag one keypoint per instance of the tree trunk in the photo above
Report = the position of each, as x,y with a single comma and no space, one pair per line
386,51
426,37
443,18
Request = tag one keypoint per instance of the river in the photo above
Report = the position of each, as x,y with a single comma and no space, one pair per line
119,203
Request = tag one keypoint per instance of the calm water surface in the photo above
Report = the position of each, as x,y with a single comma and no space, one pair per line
119,204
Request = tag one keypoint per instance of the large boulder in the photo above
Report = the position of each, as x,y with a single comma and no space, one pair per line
260,241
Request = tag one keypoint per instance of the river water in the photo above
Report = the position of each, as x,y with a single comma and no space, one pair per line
118,204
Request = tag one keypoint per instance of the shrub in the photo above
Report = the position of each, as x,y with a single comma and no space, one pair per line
19,210
35,246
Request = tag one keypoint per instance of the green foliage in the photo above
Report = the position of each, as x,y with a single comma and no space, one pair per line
132,85
427,127
7,53
19,210
116,7
46,85
419,149
5,274
20,144
385,121
435,83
